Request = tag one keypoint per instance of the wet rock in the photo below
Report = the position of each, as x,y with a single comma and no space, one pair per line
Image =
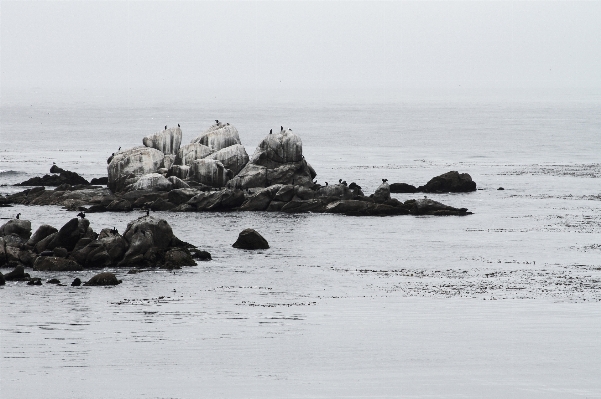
43,244
209,172
430,207
63,177
26,257
285,193
2,280
17,274
120,206
54,264
60,252
70,234
402,188
101,279
42,232
161,205
219,136
35,281
167,141
178,257
450,182
20,227
275,206
303,206
382,193
100,181
76,282
500,188
259,201
304,193
127,166
202,256
47,253
96,209
250,239
221,200
182,195
53,281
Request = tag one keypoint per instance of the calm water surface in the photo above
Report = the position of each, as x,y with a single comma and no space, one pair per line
502,303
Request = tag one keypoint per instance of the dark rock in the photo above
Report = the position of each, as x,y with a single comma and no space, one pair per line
221,200
303,193
35,281
450,182
181,195
42,232
200,255
105,278
64,177
382,193
60,252
70,234
402,188
178,257
2,280
26,257
285,193
43,244
103,181
161,205
54,264
120,206
500,188
302,206
250,239
47,252
20,227
365,208
53,281
18,274
275,206
97,208
259,201
430,207
76,282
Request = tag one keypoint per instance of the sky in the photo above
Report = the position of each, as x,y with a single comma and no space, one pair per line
300,45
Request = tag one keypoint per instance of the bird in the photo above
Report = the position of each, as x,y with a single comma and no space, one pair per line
114,231
281,129
147,212
217,121
165,127
326,183
18,215
118,149
344,183
178,125
384,180
339,181
270,131
227,124
82,215
425,197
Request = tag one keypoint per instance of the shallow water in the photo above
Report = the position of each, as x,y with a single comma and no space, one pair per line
504,302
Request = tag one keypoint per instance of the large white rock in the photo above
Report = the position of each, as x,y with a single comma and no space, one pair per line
284,147
209,172
127,166
191,152
218,137
152,181
166,141
233,157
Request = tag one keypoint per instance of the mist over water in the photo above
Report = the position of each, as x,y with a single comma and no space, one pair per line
504,302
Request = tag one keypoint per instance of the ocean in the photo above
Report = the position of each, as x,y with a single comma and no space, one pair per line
501,303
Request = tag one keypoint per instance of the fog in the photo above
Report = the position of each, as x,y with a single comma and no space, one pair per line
311,46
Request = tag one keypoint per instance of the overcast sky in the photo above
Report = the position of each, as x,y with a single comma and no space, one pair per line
300,45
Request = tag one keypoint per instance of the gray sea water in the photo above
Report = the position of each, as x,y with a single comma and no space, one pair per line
501,303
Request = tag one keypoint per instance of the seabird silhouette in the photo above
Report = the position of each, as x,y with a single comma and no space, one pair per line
384,180
178,125
147,212
118,149
217,121
339,181
270,131
326,183
18,215
281,129
82,215
344,183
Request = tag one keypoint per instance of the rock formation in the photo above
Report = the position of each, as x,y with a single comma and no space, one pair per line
450,182
128,166
250,239
167,141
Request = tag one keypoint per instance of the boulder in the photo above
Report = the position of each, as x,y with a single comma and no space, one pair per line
221,200
382,193
17,274
209,172
100,181
43,244
35,281
120,206
285,193
20,227
105,278
53,281
233,157
430,207
450,182
249,177
275,206
338,191
145,233
402,188
177,183
70,234
178,257
60,252
304,193
250,239
180,171
161,205
151,182
55,264
63,177
76,282
202,256
219,136
260,200
167,163
364,208
191,152
167,141
302,206
126,166
42,232
279,148
181,195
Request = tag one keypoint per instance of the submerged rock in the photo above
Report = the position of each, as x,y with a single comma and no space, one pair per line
17,274
105,278
76,282
430,207
250,239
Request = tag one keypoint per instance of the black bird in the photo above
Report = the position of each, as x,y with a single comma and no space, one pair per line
119,149
178,125
114,231
326,183
339,181
384,180
281,129
165,127
82,215
18,215
147,212
217,121
227,124
344,183
270,131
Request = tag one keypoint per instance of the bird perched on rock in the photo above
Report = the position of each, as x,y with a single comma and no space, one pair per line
270,131
281,129
326,183
81,215
384,180
114,231
217,121
178,125
147,212
339,181
165,127
18,215
343,183
118,149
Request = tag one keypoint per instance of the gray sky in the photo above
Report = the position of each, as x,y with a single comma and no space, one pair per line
300,45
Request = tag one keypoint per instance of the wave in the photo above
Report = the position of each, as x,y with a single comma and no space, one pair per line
10,172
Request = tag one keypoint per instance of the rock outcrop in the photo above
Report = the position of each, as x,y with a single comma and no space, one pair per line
127,166
219,136
167,141
59,177
233,157
450,182
191,152
209,172
19,227
250,239
105,278
402,188
151,181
